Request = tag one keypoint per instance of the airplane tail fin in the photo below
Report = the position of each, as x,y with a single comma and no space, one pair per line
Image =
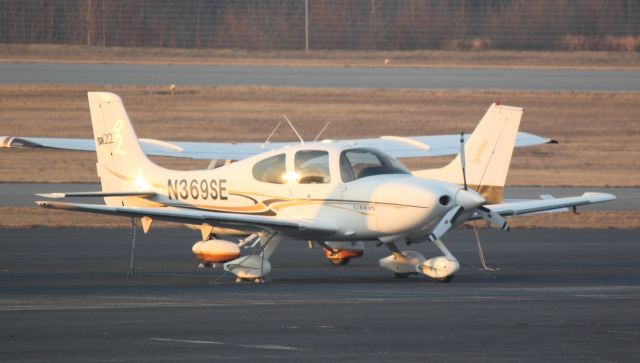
488,154
122,165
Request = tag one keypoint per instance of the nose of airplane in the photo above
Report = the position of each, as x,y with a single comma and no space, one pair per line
469,199
405,204
410,203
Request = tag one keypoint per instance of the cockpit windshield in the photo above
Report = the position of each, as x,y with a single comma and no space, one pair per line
361,163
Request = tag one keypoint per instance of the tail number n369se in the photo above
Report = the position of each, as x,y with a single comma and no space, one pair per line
197,189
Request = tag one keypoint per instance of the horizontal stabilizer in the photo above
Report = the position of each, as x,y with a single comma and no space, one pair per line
97,194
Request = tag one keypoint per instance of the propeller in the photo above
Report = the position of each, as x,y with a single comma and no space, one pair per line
482,211
463,162
469,201
466,200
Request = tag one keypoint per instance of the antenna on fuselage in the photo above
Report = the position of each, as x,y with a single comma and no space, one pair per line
268,140
322,130
293,128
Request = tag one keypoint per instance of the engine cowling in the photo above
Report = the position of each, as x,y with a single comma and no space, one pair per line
215,251
440,268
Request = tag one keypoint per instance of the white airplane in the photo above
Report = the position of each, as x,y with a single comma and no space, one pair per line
339,194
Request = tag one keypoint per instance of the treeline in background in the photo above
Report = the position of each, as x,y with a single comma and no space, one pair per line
332,24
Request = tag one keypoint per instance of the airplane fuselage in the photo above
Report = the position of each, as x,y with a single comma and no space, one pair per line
391,203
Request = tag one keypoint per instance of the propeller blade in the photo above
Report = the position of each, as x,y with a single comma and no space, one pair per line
445,223
463,161
493,218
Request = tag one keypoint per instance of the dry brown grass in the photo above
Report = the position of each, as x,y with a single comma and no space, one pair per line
598,132
477,57
609,43
30,217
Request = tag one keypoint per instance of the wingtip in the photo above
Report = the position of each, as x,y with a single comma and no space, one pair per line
51,195
599,197
552,141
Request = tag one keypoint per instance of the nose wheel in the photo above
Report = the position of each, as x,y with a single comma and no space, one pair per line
404,276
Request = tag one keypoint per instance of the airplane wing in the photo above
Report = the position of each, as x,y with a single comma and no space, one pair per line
289,227
547,205
99,194
396,146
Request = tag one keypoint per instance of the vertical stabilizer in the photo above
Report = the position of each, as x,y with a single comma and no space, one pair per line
488,154
122,164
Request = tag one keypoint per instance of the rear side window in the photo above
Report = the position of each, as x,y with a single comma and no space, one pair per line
270,170
312,167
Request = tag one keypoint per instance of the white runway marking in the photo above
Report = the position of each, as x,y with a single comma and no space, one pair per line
213,342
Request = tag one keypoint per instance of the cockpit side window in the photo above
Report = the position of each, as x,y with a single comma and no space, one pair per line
361,163
271,170
312,167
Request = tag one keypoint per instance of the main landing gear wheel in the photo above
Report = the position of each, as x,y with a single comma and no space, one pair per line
256,280
444,280
339,261
403,275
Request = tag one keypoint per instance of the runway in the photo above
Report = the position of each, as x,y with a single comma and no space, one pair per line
23,194
560,295
331,77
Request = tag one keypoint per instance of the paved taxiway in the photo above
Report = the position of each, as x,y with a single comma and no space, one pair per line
560,295
333,77
22,194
